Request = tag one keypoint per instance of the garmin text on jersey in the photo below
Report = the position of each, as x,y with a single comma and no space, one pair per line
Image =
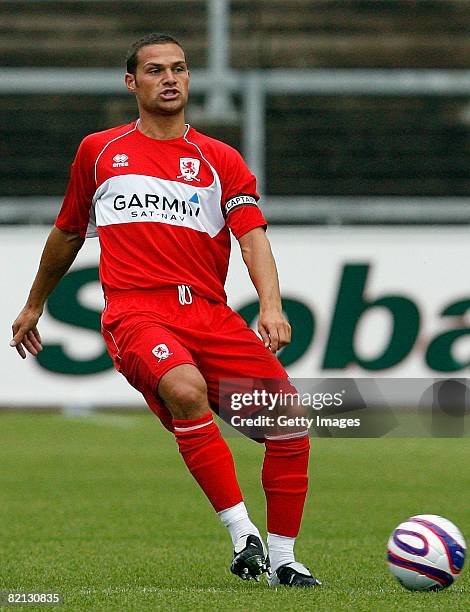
153,204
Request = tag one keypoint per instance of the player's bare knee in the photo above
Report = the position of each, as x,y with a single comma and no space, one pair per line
185,395
188,397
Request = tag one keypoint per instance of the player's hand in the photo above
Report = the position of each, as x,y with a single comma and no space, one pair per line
25,333
274,330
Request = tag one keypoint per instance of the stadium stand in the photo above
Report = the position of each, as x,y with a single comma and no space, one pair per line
94,33
342,145
397,146
264,33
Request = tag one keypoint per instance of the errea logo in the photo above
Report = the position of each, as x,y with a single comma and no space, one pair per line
120,160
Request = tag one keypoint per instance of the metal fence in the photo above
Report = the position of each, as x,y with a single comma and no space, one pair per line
219,84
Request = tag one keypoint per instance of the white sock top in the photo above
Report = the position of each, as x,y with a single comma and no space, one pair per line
239,525
281,550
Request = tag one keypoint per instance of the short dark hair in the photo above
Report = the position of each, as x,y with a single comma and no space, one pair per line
155,38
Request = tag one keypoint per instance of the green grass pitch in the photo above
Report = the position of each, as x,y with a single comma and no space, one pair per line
101,510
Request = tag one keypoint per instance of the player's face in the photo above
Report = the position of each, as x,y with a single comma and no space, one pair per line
161,82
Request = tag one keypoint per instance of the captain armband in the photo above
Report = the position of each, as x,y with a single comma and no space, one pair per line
239,200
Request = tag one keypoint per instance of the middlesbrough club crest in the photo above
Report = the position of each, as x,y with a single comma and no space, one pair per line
161,351
189,168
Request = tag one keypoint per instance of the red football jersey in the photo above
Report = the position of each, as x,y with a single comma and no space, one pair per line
162,208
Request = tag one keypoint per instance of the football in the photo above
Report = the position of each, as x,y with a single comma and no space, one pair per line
426,553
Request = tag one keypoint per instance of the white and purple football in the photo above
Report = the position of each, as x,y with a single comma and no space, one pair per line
426,553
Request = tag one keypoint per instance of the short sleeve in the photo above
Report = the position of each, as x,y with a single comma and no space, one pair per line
239,196
74,215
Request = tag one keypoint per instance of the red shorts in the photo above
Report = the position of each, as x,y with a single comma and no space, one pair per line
150,332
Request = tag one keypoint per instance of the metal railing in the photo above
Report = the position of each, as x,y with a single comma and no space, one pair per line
253,86
219,83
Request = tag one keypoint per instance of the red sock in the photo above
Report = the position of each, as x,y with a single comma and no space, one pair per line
209,460
285,482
